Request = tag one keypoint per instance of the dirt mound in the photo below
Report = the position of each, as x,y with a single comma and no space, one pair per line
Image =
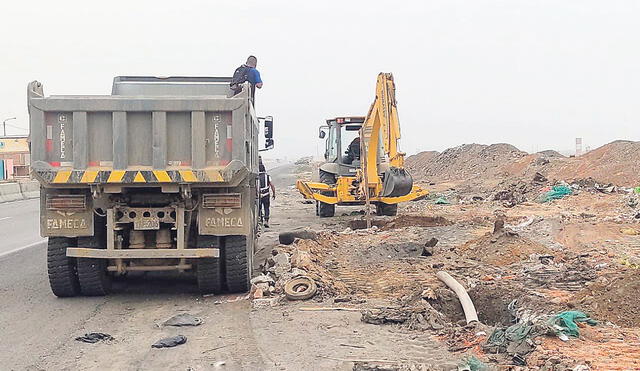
502,248
471,160
418,162
549,153
615,301
616,162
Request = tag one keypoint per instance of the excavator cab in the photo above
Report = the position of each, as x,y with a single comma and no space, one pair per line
342,145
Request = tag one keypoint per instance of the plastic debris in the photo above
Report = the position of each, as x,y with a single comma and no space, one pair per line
567,322
94,337
556,193
183,319
442,201
472,363
170,342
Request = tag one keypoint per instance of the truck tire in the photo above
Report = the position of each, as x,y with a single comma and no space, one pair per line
326,210
63,276
92,274
237,264
386,209
209,270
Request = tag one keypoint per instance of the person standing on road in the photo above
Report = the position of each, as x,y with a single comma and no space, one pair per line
244,73
267,190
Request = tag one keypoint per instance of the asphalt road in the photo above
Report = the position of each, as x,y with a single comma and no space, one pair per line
19,227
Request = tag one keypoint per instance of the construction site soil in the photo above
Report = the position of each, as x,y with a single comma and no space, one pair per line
519,259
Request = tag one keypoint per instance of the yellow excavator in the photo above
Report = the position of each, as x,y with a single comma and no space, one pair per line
362,162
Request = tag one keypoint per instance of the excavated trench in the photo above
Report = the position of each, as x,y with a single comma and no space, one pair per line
401,222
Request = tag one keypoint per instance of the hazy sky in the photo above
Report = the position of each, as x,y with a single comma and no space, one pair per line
536,74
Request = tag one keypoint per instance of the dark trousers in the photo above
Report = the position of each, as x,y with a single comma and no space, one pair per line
265,202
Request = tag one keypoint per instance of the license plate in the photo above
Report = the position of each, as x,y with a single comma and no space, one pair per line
146,224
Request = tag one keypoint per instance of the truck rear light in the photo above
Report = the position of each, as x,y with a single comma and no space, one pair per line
228,200
66,202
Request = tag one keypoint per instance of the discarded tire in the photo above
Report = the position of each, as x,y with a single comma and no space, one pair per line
63,278
300,288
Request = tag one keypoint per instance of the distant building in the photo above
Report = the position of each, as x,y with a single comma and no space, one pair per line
15,157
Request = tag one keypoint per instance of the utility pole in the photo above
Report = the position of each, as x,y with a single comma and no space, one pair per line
4,125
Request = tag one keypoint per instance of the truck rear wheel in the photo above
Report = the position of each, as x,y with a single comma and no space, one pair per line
386,209
209,270
63,277
237,263
93,277
92,273
324,209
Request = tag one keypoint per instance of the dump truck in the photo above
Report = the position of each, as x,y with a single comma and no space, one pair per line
161,175
363,164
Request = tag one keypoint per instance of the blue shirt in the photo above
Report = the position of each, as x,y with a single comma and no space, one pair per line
254,76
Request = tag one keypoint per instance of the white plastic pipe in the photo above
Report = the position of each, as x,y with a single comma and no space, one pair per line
467,305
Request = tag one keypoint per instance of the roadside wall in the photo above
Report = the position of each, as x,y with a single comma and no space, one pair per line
19,191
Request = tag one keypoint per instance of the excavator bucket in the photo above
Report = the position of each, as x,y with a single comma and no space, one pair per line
397,182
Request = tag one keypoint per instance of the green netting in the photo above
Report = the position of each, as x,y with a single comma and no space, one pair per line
556,193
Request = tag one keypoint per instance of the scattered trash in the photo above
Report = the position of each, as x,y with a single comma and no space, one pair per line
94,337
287,238
300,288
472,363
629,231
539,178
556,193
427,250
170,342
183,319
567,322
442,201
266,302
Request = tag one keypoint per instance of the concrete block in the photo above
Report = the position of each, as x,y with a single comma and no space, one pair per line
10,192
30,189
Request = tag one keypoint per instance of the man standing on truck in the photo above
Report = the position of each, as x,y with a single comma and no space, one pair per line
244,73
266,189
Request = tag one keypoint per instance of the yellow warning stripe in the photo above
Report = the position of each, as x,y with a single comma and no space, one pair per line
162,176
130,176
188,176
214,175
89,176
116,176
62,176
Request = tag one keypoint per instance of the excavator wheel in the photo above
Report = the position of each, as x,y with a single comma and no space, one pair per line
383,209
326,210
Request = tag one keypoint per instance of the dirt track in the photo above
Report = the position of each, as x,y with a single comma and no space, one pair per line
39,329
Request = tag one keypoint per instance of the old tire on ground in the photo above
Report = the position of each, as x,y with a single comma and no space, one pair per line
209,270
326,210
386,209
63,277
237,263
300,288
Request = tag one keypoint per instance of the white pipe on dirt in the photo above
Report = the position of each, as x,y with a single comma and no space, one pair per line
467,305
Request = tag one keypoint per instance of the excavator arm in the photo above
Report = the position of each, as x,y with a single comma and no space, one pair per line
381,124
